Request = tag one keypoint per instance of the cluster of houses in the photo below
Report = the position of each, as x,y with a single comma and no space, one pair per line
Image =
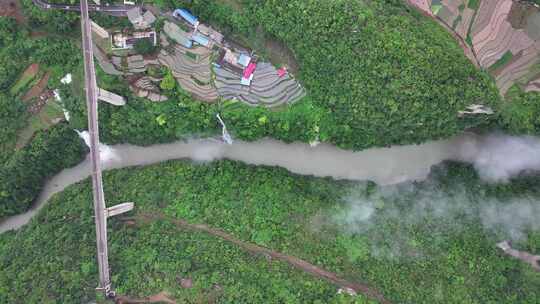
142,23
200,59
195,32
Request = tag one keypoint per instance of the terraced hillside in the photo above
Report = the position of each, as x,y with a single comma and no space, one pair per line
503,35
457,14
191,68
267,88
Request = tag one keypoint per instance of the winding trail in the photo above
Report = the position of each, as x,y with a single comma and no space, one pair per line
291,260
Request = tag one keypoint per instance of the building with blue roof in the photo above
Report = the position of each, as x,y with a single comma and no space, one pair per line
186,15
177,34
200,39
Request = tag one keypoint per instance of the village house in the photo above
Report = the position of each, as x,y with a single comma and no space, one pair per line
185,15
122,41
177,34
210,32
201,34
140,20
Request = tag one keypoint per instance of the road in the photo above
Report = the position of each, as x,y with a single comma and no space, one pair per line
93,130
117,10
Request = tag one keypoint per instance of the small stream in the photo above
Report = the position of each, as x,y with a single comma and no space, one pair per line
382,165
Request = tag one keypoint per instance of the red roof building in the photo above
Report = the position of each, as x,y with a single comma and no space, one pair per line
249,70
282,72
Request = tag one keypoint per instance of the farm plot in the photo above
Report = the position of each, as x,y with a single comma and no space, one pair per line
44,111
510,53
267,88
503,34
24,80
49,115
191,68
533,86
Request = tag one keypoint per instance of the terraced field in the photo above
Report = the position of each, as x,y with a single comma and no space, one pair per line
191,68
533,86
146,87
499,32
267,88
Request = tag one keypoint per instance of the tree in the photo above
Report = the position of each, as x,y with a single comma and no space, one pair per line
521,114
8,31
23,175
144,46
168,82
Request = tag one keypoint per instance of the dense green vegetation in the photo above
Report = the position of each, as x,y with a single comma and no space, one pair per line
438,259
24,171
52,21
11,120
18,49
12,110
521,114
22,176
144,46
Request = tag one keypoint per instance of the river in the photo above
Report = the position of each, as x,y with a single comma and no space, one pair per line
382,165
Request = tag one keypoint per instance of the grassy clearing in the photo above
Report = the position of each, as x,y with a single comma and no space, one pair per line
474,4
50,115
469,38
456,22
504,60
26,77
37,87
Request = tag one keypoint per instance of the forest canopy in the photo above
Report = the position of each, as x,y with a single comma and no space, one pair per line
447,251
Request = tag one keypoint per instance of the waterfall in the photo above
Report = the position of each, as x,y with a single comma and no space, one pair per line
224,133
106,153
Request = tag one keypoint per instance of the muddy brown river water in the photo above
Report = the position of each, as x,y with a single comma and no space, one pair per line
382,165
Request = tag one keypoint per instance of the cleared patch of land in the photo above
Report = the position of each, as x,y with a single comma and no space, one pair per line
498,34
38,88
48,116
26,77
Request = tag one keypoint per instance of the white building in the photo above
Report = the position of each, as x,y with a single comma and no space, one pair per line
121,41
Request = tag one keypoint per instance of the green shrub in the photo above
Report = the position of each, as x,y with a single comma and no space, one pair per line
144,46
521,113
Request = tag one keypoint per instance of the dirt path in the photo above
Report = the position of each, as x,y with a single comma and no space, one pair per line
278,52
469,52
293,261
12,8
